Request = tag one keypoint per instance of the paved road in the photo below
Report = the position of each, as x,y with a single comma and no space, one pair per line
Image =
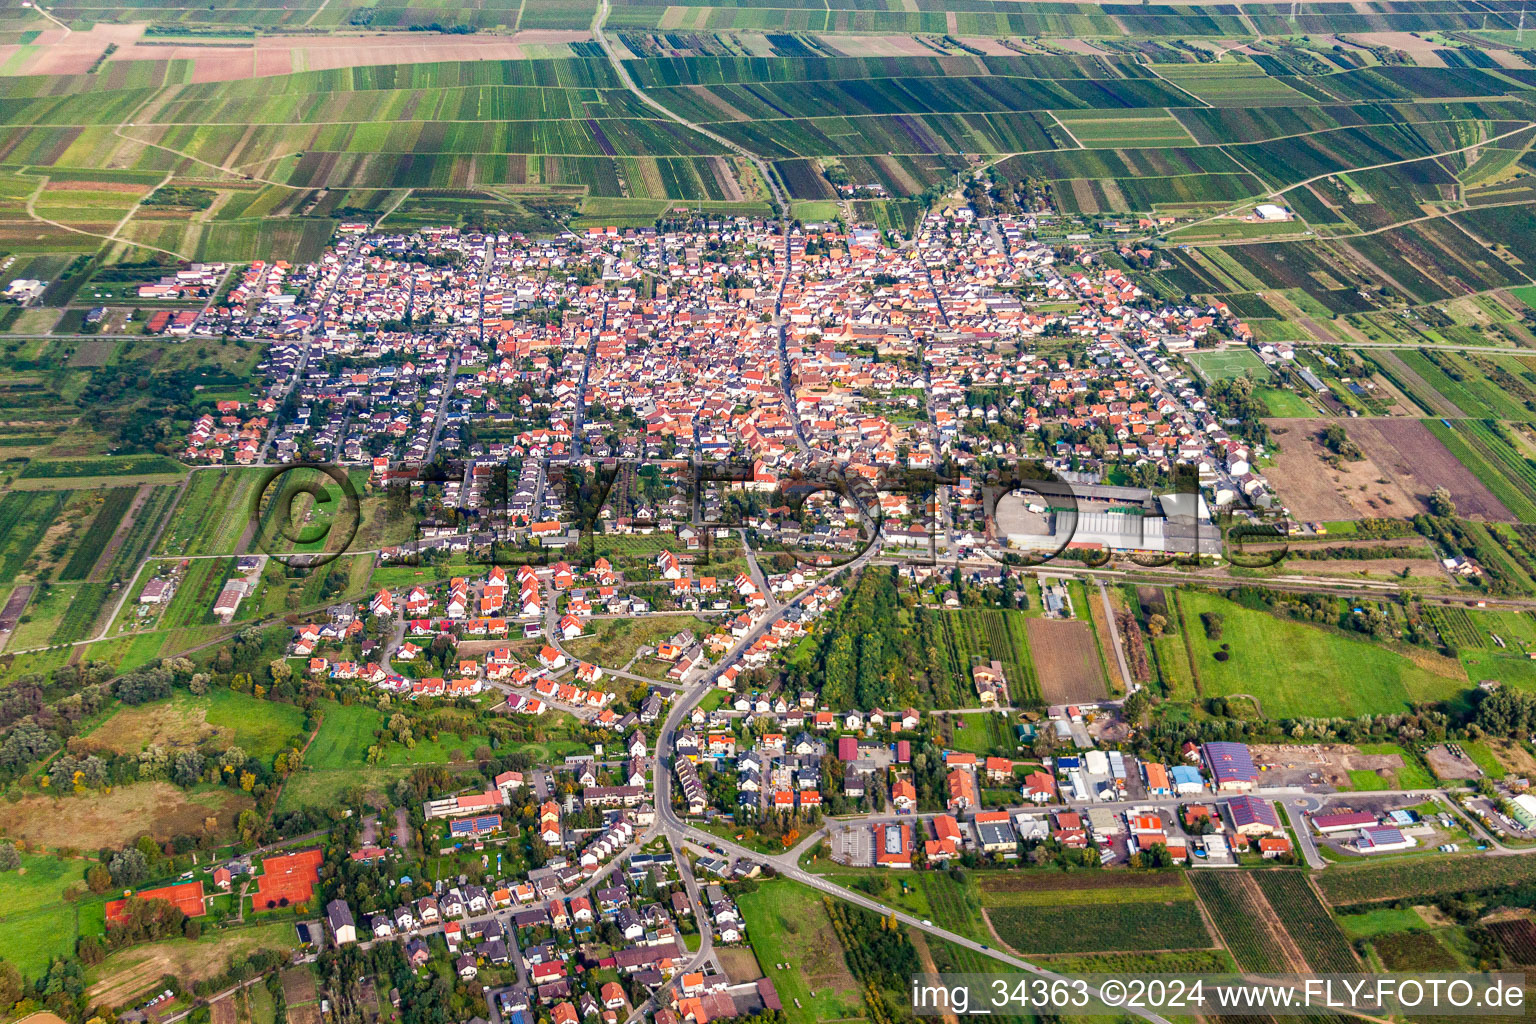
787,864
442,407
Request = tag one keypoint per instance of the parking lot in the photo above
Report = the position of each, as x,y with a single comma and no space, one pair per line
854,845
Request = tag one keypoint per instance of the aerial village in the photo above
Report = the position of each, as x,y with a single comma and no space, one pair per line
473,374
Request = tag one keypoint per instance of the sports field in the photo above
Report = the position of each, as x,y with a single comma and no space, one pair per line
187,896
287,879
1228,363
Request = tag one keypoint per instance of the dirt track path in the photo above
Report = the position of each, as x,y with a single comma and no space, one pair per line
1265,915
120,535
1442,406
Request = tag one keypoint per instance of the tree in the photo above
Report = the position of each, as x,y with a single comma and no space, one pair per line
188,768
1136,706
98,879
10,860
1441,503
128,867
10,984
249,826
28,741
1212,622
144,685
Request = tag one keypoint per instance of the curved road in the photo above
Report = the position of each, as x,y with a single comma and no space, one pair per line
780,201
787,864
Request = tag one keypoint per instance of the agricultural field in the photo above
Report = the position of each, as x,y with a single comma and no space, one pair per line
213,514
1112,914
1468,384
1485,447
789,925
1296,669
1421,877
1067,656
984,635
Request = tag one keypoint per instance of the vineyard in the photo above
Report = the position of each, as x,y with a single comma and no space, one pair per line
136,542
94,541
1034,881
24,517
1455,627
1307,922
991,635
952,904
213,513
81,614
1422,879
1108,927
1228,899
1129,888
1517,939
1414,951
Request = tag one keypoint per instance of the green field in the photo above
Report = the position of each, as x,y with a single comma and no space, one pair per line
613,643
213,513
39,923
787,924
1284,402
1300,670
1381,922
24,517
1228,363
199,589
338,758
261,727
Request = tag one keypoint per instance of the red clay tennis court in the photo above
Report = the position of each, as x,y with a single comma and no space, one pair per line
288,879
188,897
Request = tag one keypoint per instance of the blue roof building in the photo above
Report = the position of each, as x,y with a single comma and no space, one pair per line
1231,766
